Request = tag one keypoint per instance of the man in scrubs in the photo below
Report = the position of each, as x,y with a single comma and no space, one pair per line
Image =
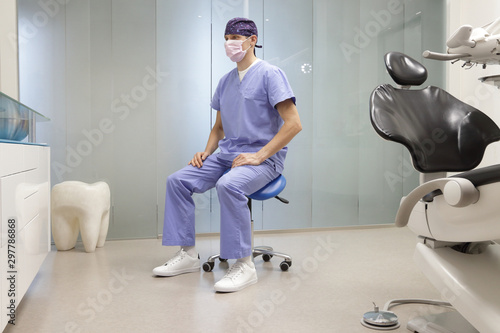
256,119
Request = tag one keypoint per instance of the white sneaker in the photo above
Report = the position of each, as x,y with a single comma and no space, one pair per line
239,276
181,263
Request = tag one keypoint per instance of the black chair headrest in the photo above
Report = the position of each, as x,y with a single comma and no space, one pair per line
405,70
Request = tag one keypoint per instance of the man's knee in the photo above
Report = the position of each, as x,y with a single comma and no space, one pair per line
176,179
222,184
171,179
227,186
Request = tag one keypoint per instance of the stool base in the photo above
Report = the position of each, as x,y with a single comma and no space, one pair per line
265,251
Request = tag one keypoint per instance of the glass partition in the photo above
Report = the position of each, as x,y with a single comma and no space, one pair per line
128,85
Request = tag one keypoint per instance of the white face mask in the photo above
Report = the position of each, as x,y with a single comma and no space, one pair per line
234,49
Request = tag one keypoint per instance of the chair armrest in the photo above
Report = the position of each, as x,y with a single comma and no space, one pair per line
458,192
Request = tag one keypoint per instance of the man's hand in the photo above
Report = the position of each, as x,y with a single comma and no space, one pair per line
198,159
246,159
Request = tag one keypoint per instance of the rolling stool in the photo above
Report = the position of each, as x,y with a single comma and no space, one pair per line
271,190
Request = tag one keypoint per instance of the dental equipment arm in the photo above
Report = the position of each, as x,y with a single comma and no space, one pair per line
457,192
444,56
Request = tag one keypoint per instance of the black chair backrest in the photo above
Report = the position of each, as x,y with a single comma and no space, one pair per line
405,70
441,132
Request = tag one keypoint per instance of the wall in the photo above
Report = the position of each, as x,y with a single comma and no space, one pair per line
128,84
464,83
9,76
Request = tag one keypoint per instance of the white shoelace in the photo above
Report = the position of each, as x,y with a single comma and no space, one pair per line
178,257
235,270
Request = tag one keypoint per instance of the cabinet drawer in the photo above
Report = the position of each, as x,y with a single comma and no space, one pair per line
15,158
11,157
32,247
30,157
29,205
9,199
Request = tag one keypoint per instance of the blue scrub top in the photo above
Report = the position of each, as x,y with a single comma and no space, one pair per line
249,117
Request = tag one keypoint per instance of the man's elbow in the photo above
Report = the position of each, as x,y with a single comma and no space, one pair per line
299,127
296,127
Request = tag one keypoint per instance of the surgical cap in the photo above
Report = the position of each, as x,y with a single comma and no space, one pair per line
241,26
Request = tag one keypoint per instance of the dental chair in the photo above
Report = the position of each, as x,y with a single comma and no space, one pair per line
456,218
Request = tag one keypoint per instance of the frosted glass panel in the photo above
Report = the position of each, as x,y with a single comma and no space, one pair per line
135,76
183,99
336,114
289,45
380,183
358,178
94,63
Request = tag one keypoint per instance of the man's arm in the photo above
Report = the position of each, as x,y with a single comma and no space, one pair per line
287,132
216,134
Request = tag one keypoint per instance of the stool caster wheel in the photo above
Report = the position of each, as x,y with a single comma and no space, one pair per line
222,260
266,257
208,266
285,265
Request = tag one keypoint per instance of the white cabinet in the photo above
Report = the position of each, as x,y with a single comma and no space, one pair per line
25,220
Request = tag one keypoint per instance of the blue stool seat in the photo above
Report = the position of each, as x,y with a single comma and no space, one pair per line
271,190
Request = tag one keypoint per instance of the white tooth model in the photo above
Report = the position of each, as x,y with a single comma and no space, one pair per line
78,206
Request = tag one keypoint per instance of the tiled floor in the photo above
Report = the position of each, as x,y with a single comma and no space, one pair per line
335,277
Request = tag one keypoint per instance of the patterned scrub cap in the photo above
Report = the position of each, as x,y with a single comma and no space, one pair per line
241,26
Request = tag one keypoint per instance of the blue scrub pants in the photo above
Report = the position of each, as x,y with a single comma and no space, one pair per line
232,188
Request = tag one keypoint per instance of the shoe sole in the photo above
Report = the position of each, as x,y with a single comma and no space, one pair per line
231,290
184,271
